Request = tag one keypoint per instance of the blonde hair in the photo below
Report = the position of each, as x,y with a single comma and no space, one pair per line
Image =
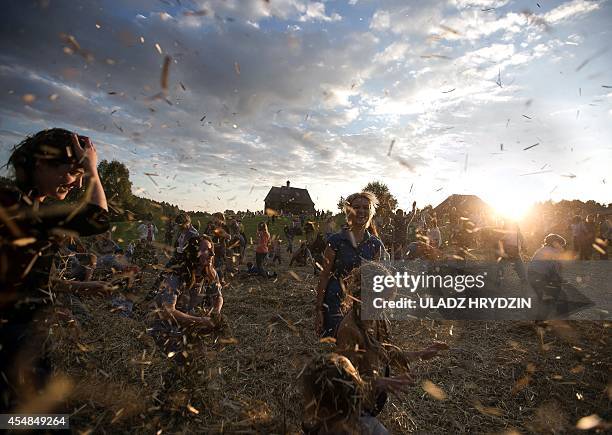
371,198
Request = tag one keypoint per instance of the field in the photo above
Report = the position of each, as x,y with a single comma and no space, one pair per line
497,377
124,232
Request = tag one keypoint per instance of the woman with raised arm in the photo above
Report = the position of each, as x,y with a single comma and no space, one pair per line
49,164
357,241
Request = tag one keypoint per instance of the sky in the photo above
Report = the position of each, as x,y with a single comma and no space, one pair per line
508,100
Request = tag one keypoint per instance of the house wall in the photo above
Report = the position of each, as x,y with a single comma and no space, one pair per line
290,207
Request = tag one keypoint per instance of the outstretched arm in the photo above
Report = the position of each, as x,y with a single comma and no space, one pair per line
428,353
184,319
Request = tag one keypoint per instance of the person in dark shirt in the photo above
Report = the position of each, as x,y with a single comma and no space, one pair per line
49,164
169,230
546,277
219,233
345,250
589,232
399,234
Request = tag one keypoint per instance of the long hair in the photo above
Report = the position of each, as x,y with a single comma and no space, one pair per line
372,200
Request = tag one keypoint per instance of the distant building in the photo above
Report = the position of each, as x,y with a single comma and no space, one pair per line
287,199
466,205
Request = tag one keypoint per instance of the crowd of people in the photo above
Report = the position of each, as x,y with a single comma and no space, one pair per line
49,247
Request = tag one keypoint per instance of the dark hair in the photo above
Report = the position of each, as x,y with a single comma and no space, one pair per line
53,145
336,389
182,218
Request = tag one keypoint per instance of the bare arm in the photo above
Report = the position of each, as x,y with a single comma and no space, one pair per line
184,319
98,197
428,353
61,285
89,156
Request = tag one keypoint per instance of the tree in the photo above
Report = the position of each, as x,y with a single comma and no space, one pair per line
115,177
387,203
341,202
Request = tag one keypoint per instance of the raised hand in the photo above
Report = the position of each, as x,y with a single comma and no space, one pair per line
85,152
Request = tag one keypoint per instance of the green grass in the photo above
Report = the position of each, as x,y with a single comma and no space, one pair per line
125,232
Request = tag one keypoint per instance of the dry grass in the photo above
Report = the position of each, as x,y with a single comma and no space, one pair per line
498,377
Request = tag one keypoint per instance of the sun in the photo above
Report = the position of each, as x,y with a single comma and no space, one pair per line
510,206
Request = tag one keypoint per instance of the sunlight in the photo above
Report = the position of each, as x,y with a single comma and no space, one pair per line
510,206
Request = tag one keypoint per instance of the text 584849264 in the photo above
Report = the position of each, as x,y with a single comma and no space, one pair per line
34,421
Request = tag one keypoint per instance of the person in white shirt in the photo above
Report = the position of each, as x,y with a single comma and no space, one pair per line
434,235
147,230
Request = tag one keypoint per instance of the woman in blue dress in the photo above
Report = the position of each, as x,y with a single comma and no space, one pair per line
357,241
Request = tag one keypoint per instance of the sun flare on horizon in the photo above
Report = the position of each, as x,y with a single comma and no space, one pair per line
512,207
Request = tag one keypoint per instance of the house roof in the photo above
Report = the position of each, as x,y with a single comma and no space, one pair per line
461,202
286,194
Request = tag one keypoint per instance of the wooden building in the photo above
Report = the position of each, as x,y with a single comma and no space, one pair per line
287,199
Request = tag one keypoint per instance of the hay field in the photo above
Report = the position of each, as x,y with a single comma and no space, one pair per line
498,377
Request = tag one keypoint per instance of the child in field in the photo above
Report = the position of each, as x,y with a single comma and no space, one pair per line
367,343
335,396
208,289
219,233
261,251
276,251
180,291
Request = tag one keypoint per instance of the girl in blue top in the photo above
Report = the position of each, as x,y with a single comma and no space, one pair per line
356,241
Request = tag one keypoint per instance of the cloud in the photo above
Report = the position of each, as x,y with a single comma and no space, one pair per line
206,12
316,12
474,24
381,20
409,18
255,99
394,52
480,3
569,10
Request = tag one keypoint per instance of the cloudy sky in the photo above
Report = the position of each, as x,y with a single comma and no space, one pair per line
432,97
